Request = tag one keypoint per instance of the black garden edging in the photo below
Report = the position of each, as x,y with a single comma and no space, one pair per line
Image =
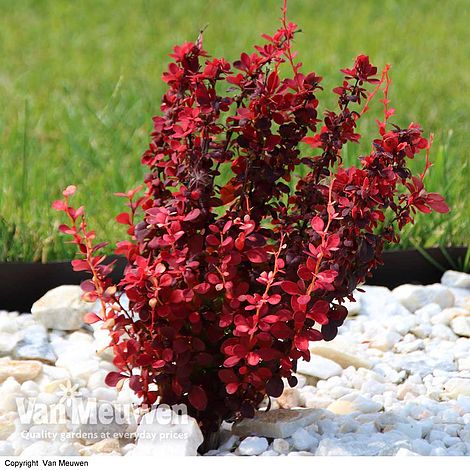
21,284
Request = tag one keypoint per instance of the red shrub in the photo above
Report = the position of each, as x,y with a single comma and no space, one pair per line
232,269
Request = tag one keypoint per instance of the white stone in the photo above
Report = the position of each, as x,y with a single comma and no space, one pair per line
303,440
463,402
253,446
105,394
162,433
46,449
6,448
281,446
464,363
7,343
385,340
55,373
290,398
229,443
96,379
319,367
9,322
19,370
402,324
78,367
342,358
354,308
61,308
101,344
424,314
30,388
277,423
410,296
414,297
440,295
443,332
106,446
93,430
402,452
353,403
457,386
7,426
413,430
128,448
374,299
269,453
461,326
456,279
375,444
35,345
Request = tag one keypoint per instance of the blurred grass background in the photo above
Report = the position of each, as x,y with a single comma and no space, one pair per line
80,81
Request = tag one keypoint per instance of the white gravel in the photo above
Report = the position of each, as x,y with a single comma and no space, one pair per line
396,381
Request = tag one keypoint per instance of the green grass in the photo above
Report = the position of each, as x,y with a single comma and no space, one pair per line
80,81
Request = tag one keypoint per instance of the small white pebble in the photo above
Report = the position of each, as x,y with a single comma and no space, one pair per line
253,446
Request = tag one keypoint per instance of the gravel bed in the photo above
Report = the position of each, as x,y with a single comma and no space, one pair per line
396,381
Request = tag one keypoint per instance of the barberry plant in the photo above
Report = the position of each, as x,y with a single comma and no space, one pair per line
234,262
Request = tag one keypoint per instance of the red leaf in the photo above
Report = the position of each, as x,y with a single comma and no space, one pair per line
303,299
91,318
69,190
231,361
319,312
274,299
113,378
290,287
87,286
59,205
198,398
317,224
257,255
232,388
123,218
314,141
437,202
176,296
80,265
193,215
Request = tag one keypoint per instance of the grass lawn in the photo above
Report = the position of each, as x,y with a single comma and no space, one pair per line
80,81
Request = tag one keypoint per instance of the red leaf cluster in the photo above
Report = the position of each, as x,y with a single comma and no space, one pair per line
233,269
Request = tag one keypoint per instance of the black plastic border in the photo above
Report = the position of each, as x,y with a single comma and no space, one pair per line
21,284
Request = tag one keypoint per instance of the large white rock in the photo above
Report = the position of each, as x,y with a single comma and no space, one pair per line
164,433
461,326
253,446
319,367
340,357
19,370
277,423
414,297
457,386
456,279
353,403
61,308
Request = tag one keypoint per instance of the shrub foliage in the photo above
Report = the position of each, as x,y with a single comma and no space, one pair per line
236,263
